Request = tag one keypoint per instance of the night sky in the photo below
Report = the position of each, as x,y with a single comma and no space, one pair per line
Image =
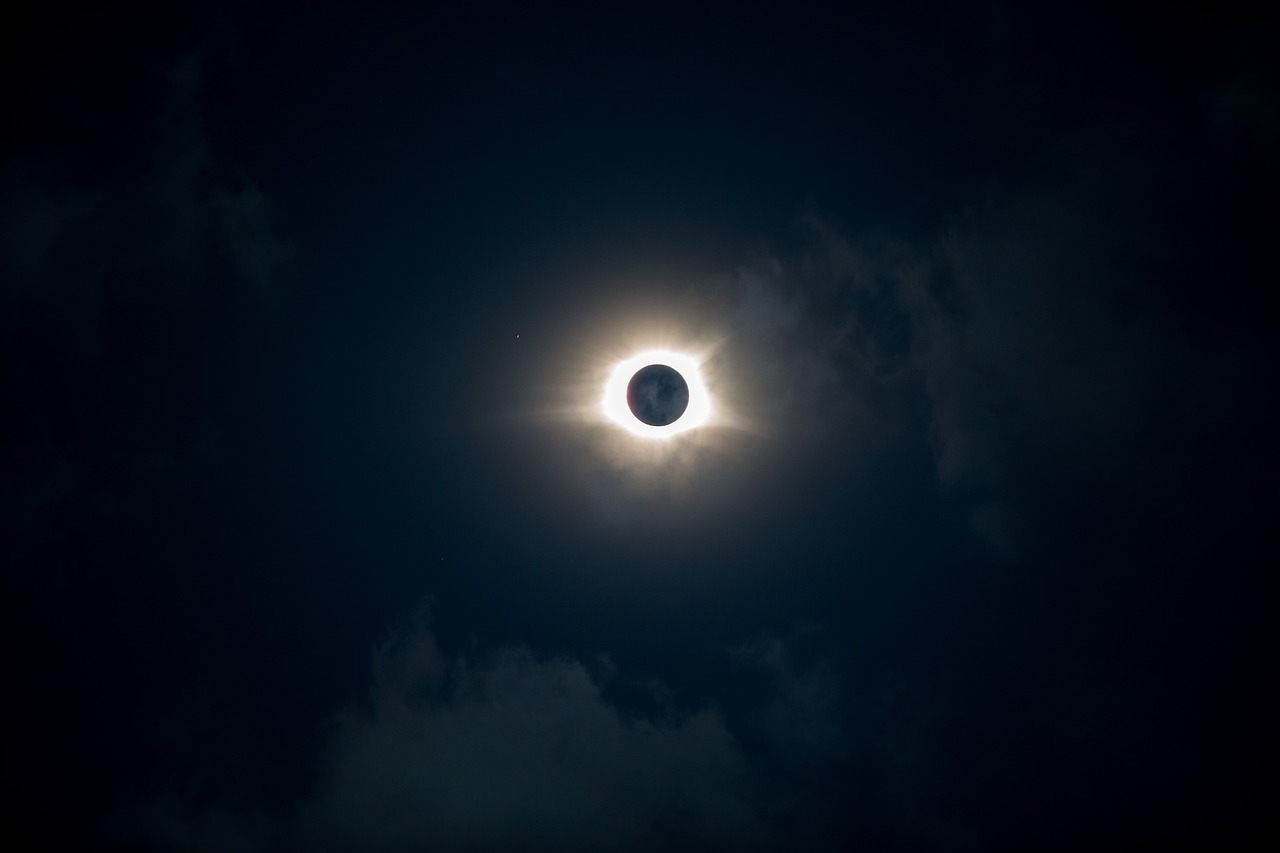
318,536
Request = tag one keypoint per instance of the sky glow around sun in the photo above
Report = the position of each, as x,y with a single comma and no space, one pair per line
614,402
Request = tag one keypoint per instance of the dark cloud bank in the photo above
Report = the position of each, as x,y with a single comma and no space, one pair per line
507,749
977,556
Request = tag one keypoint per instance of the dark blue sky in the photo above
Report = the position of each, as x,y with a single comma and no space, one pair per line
315,536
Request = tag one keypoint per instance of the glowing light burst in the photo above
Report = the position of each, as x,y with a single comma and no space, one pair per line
614,402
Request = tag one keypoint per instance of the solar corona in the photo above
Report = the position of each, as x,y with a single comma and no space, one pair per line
656,394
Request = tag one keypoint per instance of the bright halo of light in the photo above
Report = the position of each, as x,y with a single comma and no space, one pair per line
614,402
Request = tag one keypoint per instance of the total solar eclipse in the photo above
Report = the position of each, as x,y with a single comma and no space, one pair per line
657,395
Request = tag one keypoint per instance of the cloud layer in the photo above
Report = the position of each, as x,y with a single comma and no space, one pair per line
511,751
522,753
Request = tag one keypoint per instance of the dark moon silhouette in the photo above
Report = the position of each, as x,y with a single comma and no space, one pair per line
657,395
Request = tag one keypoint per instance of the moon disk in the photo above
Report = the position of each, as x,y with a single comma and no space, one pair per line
657,394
